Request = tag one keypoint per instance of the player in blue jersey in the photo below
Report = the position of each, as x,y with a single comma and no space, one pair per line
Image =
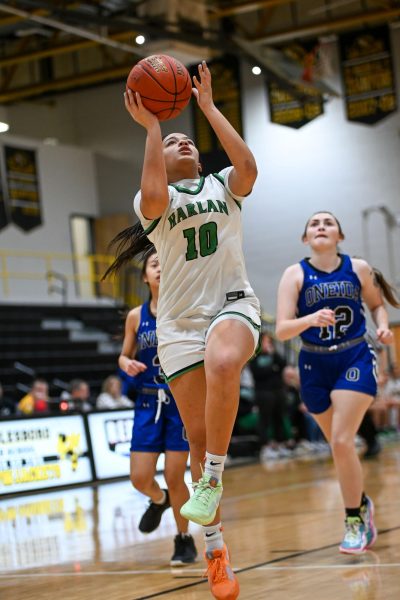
157,425
321,299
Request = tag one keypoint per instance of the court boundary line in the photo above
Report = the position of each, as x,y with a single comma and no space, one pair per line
195,571
255,566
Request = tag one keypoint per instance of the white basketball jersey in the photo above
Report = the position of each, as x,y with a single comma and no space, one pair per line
199,244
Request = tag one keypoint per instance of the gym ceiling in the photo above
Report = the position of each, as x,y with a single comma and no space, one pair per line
53,47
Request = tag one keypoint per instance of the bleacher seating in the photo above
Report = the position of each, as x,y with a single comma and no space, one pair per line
58,343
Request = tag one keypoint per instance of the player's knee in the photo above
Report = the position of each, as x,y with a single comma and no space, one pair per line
141,481
226,365
342,444
174,478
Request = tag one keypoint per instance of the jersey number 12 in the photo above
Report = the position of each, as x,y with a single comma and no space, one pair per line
343,319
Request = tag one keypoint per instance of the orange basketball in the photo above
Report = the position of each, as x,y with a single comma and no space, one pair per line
163,83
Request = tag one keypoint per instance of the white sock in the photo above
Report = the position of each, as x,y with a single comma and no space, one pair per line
213,537
214,465
163,498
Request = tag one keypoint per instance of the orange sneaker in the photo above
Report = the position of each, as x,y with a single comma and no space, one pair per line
223,582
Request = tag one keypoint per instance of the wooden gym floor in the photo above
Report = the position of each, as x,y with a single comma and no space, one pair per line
283,523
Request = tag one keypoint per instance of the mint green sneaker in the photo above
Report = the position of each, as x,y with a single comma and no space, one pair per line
202,506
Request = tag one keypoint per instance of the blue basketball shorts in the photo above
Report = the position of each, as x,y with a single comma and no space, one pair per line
167,433
352,369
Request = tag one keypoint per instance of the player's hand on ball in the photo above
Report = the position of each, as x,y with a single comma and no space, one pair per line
140,114
322,318
203,90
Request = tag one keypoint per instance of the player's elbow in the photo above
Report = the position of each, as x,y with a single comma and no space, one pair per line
250,171
376,307
280,333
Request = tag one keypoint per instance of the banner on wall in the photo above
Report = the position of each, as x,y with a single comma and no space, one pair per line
23,187
226,95
368,76
110,434
303,67
43,453
287,110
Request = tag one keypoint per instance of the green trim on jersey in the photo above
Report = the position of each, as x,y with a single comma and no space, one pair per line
152,226
235,312
181,188
185,370
221,180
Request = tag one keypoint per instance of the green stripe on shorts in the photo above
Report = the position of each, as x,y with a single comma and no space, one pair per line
185,370
234,312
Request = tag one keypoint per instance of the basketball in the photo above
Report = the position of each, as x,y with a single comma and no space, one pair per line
163,83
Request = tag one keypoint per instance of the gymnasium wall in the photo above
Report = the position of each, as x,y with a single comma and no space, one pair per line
68,185
328,164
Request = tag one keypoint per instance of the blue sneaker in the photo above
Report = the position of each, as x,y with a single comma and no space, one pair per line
367,515
355,538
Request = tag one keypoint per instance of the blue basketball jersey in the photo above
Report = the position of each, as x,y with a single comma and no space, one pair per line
146,341
339,291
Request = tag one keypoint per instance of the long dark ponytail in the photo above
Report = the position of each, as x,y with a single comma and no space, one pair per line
388,290
129,242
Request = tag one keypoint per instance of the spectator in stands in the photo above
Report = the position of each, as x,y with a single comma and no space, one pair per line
369,433
7,406
267,370
111,395
247,395
308,434
245,438
393,385
379,409
79,396
367,430
291,380
37,399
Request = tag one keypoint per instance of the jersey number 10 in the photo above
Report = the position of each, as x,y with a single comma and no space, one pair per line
208,240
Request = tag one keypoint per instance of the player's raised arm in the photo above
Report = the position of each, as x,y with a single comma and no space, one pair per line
154,185
244,174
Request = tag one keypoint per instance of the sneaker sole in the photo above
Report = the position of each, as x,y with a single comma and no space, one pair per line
149,530
196,519
350,551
